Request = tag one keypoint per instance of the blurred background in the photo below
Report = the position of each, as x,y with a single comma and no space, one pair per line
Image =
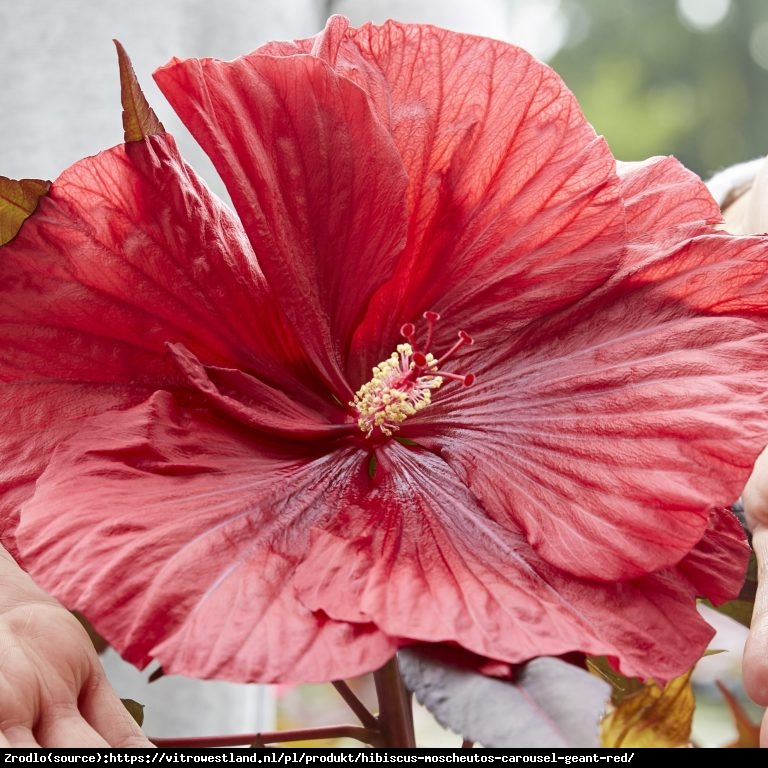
682,77
687,78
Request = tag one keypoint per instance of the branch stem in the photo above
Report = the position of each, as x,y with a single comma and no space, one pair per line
395,711
366,718
365,735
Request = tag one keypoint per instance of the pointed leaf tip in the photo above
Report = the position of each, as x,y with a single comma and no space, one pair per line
18,201
139,120
135,709
748,733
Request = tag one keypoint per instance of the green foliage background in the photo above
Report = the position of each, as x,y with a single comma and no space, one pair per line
654,86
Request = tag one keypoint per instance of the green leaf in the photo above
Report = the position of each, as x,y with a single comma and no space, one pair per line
18,201
135,709
621,686
139,119
738,610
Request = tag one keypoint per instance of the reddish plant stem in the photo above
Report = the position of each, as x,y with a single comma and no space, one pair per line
395,711
393,728
366,718
365,735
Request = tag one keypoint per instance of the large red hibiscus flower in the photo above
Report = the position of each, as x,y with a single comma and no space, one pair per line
245,446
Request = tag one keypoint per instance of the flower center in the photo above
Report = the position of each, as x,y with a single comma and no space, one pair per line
403,383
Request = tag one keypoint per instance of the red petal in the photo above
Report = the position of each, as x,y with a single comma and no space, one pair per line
34,418
506,178
177,536
611,431
128,252
257,405
315,178
418,557
665,202
717,565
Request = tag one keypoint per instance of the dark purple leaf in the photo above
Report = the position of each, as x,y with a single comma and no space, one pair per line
550,704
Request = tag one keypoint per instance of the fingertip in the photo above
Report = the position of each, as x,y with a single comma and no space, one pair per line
755,663
755,494
755,657
103,709
136,741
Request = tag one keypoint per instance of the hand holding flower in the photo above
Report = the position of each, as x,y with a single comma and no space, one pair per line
53,691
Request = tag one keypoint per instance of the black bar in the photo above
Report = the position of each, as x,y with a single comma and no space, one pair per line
290,756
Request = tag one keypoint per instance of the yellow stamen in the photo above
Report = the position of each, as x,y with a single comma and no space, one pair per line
395,392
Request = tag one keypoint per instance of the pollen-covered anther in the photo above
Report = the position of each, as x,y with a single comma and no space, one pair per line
395,392
403,384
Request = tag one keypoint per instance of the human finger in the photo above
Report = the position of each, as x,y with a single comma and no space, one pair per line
755,659
102,708
68,729
754,497
19,736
